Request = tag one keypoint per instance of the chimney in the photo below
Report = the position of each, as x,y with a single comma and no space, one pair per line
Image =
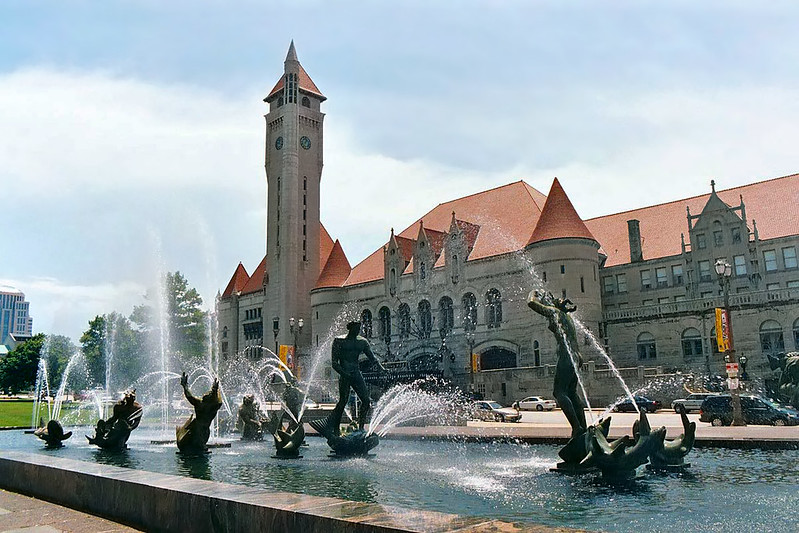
634,233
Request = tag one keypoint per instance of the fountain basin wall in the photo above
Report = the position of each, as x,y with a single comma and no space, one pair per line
160,502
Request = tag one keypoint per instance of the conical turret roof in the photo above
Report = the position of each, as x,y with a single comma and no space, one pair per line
559,219
237,282
336,270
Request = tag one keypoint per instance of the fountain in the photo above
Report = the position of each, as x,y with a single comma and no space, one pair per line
53,434
588,449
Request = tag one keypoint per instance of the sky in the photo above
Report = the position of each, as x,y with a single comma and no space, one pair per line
131,132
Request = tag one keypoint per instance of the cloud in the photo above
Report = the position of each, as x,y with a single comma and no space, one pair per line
94,160
68,131
63,308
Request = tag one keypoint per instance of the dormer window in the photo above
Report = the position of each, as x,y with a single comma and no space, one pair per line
736,235
701,241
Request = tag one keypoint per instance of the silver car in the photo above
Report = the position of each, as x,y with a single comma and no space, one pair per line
489,410
691,403
536,403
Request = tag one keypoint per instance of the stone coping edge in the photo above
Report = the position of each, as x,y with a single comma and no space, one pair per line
159,502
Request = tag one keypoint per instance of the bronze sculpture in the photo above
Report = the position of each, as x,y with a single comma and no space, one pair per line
285,425
250,419
193,435
556,311
788,385
669,455
344,359
53,434
113,434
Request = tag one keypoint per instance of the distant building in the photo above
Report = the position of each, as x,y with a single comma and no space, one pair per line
16,325
455,281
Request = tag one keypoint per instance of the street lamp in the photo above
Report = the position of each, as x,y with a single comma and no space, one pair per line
744,375
276,330
470,340
724,272
295,331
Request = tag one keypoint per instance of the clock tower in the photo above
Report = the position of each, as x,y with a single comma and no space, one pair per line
293,172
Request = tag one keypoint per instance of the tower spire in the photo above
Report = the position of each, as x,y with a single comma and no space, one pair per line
292,53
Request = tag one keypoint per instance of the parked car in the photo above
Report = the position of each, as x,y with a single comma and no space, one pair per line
755,410
692,402
489,410
644,404
537,403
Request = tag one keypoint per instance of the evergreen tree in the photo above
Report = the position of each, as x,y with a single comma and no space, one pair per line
184,317
93,346
58,350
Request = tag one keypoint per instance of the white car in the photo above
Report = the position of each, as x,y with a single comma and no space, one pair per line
536,403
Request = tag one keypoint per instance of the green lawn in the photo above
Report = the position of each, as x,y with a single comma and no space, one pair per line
18,413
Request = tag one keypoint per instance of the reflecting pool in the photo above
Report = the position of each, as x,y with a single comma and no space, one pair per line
744,490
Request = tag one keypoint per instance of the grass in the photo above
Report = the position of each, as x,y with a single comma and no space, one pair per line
15,413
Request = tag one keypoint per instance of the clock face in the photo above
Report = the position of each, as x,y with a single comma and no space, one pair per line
305,142
279,143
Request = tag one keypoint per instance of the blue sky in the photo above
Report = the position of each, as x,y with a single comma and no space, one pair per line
132,131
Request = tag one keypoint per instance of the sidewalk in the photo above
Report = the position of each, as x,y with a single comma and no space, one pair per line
21,514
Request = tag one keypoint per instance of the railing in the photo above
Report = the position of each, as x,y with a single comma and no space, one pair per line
702,304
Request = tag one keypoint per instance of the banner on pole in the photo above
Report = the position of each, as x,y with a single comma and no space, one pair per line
722,329
286,354
475,362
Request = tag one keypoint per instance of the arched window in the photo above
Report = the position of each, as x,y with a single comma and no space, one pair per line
796,334
691,342
425,319
306,102
446,318
537,353
224,332
366,323
493,308
384,316
423,271
404,313
646,346
469,304
771,340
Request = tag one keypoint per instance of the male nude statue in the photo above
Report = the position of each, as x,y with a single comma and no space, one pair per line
556,311
345,352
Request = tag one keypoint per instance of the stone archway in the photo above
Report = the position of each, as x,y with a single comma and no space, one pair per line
497,357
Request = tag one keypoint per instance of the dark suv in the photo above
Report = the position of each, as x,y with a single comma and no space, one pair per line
755,410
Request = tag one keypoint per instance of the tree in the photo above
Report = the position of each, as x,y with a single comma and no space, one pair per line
58,350
18,369
93,346
185,320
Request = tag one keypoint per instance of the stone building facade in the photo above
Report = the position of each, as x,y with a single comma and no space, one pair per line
456,281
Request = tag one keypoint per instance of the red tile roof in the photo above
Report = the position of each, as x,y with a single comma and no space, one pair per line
306,84
336,269
256,281
237,282
505,217
559,219
771,203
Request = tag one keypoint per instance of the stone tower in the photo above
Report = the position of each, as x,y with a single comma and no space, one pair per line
293,172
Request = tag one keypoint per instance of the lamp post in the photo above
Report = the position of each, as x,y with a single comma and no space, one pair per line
724,272
744,375
470,340
276,330
295,327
